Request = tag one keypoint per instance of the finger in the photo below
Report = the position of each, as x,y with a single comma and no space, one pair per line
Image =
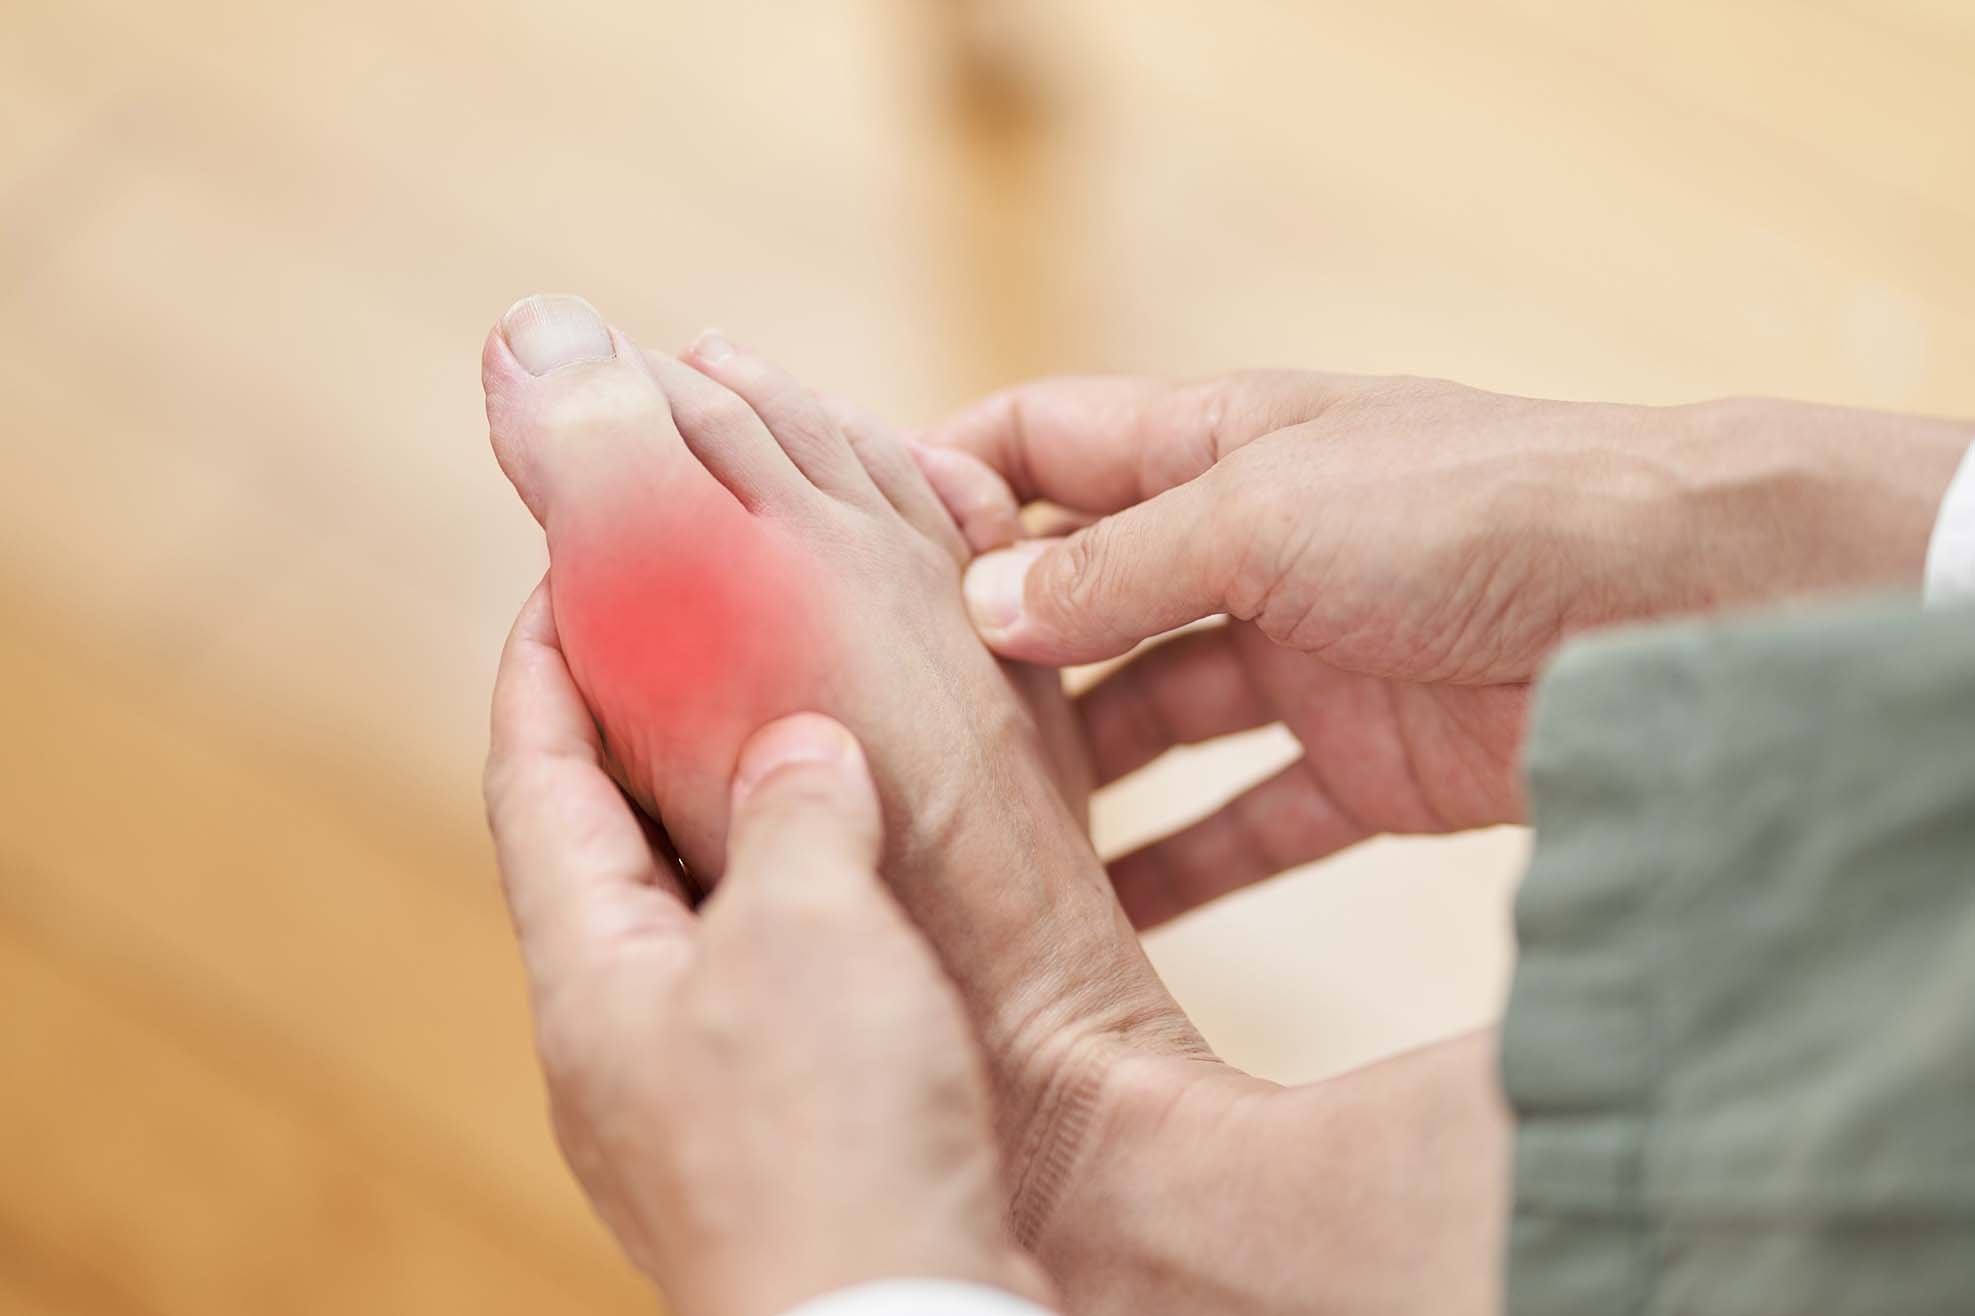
1287,820
575,863
1122,579
804,818
1100,443
1191,688
801,904
976,497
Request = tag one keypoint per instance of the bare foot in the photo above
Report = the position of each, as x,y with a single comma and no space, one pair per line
720,556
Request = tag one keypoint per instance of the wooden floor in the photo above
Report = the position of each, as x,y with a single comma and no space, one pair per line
264,1038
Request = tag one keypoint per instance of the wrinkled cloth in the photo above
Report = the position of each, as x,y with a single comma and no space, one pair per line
1741,1040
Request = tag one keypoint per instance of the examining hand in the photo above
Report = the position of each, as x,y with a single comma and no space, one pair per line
777,1097
774,1097
1398,558
709,1075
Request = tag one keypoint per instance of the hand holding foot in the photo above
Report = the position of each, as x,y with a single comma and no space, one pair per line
846,1136
720,556
705,519
1398,557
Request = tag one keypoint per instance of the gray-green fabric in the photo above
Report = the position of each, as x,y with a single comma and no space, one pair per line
1741,1042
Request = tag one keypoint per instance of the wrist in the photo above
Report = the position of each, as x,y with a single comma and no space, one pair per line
1054,977
1777,499
1177,1194
1084,1070
1381,1189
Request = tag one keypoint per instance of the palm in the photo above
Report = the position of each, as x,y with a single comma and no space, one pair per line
1379,756
1395,755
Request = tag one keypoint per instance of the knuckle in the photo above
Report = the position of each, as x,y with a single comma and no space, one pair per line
495,786
1381,389
807,426
1245,515
798,791
1246,484
562,1046
722,411
507,782
502,782
884,457
1082,575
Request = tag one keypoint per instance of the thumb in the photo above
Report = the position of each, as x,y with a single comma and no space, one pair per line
1119,580
805,812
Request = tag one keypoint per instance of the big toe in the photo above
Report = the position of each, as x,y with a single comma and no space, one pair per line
554,372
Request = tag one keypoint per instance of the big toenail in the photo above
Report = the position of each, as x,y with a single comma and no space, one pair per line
551,330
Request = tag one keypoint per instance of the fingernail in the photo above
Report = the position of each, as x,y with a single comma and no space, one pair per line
712,347
995,583
551,330
802,738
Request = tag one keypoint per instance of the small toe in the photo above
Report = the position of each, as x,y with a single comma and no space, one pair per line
981,503
792,414
728,437
897,476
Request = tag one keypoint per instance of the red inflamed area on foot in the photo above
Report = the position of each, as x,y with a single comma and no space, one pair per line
691,621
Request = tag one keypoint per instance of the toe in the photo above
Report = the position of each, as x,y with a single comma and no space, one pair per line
897,476
568,396
729,439
554,374
792,414
979,500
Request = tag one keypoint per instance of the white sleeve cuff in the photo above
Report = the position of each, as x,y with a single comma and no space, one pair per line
918,1297
1951,551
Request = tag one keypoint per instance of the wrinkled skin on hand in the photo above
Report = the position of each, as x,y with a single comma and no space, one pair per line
1398,558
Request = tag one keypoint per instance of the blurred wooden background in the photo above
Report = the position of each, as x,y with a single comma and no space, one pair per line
264,1038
